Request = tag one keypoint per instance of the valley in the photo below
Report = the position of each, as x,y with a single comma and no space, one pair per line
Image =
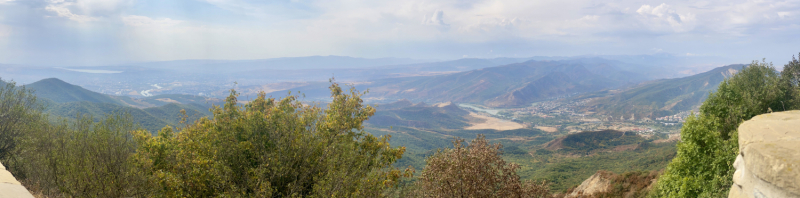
561,120
399,99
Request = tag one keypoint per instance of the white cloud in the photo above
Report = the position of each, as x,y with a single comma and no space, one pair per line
437,19
143,21
657,16
377,28
101,7
60,8
86,10
784,15
492,24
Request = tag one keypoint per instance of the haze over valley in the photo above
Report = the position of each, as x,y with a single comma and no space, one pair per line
418,98
524,103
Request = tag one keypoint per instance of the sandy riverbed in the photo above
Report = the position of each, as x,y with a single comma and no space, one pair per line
493,123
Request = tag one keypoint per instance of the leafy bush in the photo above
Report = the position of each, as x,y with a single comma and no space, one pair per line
80,159
476,170
273,148
18,114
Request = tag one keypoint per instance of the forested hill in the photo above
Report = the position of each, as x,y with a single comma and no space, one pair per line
60,92
664,97
62,99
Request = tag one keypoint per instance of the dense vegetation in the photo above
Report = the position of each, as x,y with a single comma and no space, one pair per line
585,143
703,166
563,171
272,148
19,112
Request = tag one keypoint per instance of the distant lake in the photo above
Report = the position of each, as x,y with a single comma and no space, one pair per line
489,111
93,71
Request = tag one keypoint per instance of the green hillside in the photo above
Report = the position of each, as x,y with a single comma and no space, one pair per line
420,116
99,110
196,102
663,97
589,142
61,92
152,119
66,100
395,105
170,113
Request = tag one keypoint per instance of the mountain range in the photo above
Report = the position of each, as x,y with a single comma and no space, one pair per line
661,97
511,85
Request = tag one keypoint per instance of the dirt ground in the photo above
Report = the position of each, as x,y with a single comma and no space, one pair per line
168,100
547,129
493,123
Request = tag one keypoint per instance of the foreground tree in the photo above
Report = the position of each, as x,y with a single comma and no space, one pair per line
273,148
18,112
80,158
709,141
476,170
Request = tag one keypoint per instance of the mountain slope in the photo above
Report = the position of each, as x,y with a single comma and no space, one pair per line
663,97
552,85
100,110
61,92
446,116
66,100
151,119
496,86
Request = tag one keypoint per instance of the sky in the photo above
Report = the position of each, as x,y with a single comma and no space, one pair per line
97,32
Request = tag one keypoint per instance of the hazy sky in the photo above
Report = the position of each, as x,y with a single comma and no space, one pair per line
90,32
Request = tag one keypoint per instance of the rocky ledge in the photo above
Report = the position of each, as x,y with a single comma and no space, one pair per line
768,164
10,187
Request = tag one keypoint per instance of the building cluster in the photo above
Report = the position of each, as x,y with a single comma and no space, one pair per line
642,130
680,117
551,107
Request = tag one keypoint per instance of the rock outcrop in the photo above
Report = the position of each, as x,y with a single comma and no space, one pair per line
768,164
599,182
10,187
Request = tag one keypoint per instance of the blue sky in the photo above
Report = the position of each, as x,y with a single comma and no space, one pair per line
95,32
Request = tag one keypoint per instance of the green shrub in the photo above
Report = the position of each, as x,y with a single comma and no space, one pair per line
271,148
476,170
80,159
19,113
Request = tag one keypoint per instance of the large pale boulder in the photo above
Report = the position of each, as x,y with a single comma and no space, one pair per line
768,164
10,187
